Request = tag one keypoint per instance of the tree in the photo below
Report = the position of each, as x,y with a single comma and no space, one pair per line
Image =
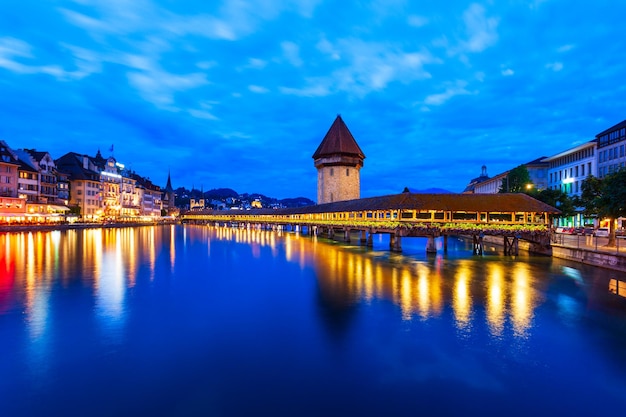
516,181
556,198
605,198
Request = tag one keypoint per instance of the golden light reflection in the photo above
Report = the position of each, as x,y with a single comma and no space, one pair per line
495,299
461,301
521,300
172,246
36,298
407,294
617,287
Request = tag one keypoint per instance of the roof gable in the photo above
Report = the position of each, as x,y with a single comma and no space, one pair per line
338,140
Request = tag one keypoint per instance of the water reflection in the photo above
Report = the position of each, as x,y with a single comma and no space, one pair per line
421,289
501,294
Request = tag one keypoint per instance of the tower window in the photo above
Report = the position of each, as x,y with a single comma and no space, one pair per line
332,172
347,172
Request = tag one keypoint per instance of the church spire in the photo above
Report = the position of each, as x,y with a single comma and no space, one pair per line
168,187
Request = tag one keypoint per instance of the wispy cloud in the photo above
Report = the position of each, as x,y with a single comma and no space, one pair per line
365,67
456,89
555,66
481,30
291,52
417,21
258,89
14,51
159,87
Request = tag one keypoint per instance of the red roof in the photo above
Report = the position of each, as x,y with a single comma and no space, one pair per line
338,140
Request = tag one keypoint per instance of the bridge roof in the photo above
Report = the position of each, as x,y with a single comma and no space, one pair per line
507,203
338,140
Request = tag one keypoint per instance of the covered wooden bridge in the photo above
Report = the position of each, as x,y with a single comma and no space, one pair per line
510,216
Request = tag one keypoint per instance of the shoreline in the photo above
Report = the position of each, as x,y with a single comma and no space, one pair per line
603,258
71,226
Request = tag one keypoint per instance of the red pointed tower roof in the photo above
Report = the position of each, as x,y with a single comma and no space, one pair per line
338,141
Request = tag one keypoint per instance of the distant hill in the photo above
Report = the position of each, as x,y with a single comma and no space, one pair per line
296,202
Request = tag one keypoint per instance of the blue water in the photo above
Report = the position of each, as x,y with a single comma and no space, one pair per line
199,321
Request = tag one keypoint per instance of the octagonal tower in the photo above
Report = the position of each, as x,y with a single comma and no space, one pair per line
338,160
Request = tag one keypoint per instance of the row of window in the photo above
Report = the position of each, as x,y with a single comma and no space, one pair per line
610,154
609,169
571,158
574,172
612,137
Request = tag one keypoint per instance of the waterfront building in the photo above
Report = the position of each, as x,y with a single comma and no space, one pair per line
149,196
85,184
129,198
469,189
567,171
12,207
338,160
537,170
27,180
110,179
611,149
9,164
38,183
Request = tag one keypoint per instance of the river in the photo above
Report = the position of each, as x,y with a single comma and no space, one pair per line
203,321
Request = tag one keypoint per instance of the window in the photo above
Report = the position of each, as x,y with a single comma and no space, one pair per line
347,172
332,172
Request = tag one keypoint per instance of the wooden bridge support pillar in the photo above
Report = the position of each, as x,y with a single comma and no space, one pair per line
431,247
363,237
511,245
477,244
370,240
445,243
331,233
395,242
346,235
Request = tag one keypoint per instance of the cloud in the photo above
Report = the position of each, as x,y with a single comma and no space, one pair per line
555,66
202,114
451,91
417,21
159,87
257,89
12,50
291,52
481,30
365,67
566,48
507,72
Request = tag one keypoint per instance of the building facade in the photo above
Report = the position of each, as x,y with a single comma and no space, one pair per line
567,171
611,150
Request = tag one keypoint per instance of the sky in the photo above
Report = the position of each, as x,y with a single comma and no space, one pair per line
238,94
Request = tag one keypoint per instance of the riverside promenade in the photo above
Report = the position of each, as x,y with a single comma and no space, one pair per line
590,250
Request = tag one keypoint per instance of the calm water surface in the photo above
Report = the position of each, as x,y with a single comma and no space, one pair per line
202,321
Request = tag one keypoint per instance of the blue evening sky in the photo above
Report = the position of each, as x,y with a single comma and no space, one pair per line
240,93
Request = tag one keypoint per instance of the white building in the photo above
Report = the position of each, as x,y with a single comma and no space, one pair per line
567,171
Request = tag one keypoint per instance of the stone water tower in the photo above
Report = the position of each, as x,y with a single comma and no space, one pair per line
338,160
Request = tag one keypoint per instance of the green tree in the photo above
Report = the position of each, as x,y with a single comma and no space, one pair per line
516,181
605,198
556,198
